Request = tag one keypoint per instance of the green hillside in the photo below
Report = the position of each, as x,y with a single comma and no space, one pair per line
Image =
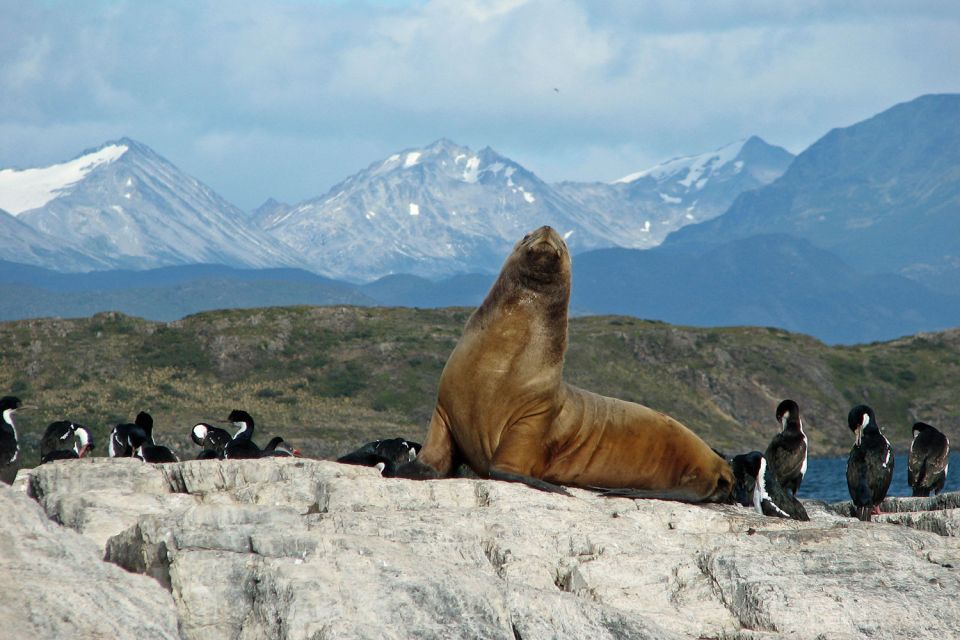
331,378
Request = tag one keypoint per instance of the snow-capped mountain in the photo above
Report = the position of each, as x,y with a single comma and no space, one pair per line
432,211
707,184
128,207
445,208
682,191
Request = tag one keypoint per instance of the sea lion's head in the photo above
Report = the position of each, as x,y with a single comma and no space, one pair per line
536,276
541,260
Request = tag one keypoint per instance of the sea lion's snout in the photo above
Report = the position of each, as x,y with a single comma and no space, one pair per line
541,257
543,234
545,239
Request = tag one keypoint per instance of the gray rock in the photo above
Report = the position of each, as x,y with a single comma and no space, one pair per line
288,548
56,586
938,514
101,497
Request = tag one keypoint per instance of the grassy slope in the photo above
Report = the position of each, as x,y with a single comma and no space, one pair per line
330,378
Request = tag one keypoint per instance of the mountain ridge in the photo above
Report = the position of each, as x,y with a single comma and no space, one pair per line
443,209
884,193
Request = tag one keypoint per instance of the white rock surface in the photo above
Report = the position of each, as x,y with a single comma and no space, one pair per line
56,586
287,548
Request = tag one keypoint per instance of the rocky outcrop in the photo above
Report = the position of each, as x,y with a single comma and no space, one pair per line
290,548
938,514
56,586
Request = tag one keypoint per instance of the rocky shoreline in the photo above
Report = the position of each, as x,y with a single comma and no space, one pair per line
296,548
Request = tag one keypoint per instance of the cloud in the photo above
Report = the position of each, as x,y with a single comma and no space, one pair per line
218,85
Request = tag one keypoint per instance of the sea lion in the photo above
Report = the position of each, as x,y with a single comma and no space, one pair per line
503,408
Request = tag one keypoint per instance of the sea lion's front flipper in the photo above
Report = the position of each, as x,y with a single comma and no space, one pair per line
514,459
530,481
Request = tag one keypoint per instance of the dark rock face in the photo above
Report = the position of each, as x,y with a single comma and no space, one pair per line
293,548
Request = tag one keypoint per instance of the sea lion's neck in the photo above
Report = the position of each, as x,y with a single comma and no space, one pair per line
546,308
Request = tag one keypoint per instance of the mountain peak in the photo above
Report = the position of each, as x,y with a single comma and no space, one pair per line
124,141
267,213
691,167
441,157
759,155
755,142
443,144
33,188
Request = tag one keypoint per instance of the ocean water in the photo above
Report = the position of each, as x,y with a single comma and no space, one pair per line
826,478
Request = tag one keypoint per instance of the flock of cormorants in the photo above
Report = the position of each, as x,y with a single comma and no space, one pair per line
767,482
65,439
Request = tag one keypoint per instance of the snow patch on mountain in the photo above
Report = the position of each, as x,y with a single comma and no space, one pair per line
33,188
693,167
471,172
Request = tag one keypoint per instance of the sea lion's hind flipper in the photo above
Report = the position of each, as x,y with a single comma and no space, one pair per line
530,481
673,495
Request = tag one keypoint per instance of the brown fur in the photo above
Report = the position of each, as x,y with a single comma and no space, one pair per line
503,408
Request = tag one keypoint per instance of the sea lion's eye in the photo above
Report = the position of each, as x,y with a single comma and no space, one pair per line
525,238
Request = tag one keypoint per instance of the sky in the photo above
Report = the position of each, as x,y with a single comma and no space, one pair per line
285,99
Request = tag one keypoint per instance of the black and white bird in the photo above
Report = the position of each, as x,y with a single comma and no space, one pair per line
929,460
9,445
745,469
149,450
787,452
58,438
126,438
278,448
241,446
156,453
390,453
210,439
757,487
870,465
